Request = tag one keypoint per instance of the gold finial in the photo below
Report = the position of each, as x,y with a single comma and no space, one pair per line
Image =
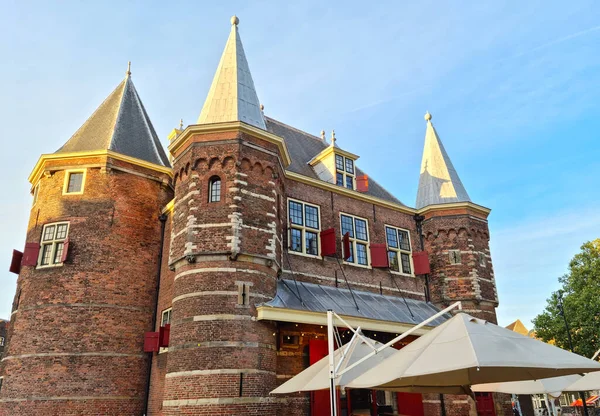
427,116
323,135
333,139
262,107
234,20
128,73
180,124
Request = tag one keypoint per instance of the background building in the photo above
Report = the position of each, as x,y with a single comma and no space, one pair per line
196,283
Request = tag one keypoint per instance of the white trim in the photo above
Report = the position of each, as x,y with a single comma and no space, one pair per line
68,173
303,229
354,240
400,250
54,242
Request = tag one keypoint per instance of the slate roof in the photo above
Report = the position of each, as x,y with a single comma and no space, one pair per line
303,147
122,125
439,182
320,298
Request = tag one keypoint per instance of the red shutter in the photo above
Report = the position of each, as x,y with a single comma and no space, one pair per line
328,242
362,183
65,251
346,246
151,342
421,262
164,335
15,264
30,255
379,257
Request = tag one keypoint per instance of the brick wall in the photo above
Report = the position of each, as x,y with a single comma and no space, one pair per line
77,330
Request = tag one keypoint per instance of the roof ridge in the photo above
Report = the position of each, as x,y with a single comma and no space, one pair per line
312,136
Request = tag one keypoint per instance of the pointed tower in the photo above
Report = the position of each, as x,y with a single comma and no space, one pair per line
87,283
439,183
225,242
455,234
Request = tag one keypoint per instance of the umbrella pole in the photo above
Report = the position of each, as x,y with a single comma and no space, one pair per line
331,350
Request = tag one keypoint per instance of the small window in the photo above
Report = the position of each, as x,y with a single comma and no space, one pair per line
454,256
1,379
243,293
1,341
399,250
344,175
339,162
54,237
357,229
482,259
350,166
36,189
74,182
304,227
291,339
214,189
166,317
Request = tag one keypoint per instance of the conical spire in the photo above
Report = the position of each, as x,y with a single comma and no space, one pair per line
122,125
232,96
439,183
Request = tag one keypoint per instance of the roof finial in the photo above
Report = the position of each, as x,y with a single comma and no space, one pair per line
323,135
180,124
262,107
234,20
128,73
427,116
333,139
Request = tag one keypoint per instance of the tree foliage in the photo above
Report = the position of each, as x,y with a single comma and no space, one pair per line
581,301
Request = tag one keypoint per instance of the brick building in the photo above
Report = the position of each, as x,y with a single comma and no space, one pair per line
195,283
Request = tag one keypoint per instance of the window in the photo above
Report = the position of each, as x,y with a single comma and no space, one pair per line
357,228
74,182
344,175
304,225
166,317
398,245
214,189
53,241
482,259
36,189
1,341
454,256
243,293
290,340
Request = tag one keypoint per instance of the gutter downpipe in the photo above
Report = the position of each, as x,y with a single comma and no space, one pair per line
163,221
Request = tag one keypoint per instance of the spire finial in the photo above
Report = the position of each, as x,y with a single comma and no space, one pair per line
262,107
128,73
323,135
180,124
427,116
234,20
333,139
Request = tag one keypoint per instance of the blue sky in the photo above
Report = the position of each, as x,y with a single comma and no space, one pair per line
513,88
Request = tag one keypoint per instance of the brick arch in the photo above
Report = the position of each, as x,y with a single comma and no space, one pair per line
257,166
463,232
245,164
269,171
213,161
452,233
175,178
200,164
228,162
187,169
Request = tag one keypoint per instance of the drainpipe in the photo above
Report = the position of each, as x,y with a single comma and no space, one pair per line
163,222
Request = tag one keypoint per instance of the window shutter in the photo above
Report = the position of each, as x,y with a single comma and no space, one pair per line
15,264
30,255
65,252
362,183
421,262
164,335
346,246
151,342
379,257
328,242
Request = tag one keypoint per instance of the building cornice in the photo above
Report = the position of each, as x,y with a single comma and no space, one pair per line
232,126
454,205
38,168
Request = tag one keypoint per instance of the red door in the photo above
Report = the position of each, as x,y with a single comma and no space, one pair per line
319,400
485,404
410,404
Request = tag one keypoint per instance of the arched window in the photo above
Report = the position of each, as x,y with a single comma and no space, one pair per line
214,189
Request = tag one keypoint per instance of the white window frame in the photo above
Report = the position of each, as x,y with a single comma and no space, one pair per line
1,341
303,229
53,243
36,191
450,257
211,183
399,251
354,241
68,176
345,174
169,312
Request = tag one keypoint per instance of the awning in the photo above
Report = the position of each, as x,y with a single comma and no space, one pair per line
308,303
590,401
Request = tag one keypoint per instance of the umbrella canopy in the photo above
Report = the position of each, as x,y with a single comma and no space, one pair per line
552,386
464,351
590,381
316,377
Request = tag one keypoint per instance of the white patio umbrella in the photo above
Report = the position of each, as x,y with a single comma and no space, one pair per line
316,377
590,381
464,351
553,386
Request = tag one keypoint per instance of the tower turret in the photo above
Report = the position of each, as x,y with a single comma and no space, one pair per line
87,285
226,245
456,234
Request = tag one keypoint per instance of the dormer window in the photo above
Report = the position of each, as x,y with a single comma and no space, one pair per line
344,175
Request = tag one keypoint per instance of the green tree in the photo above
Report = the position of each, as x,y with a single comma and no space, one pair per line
581,299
